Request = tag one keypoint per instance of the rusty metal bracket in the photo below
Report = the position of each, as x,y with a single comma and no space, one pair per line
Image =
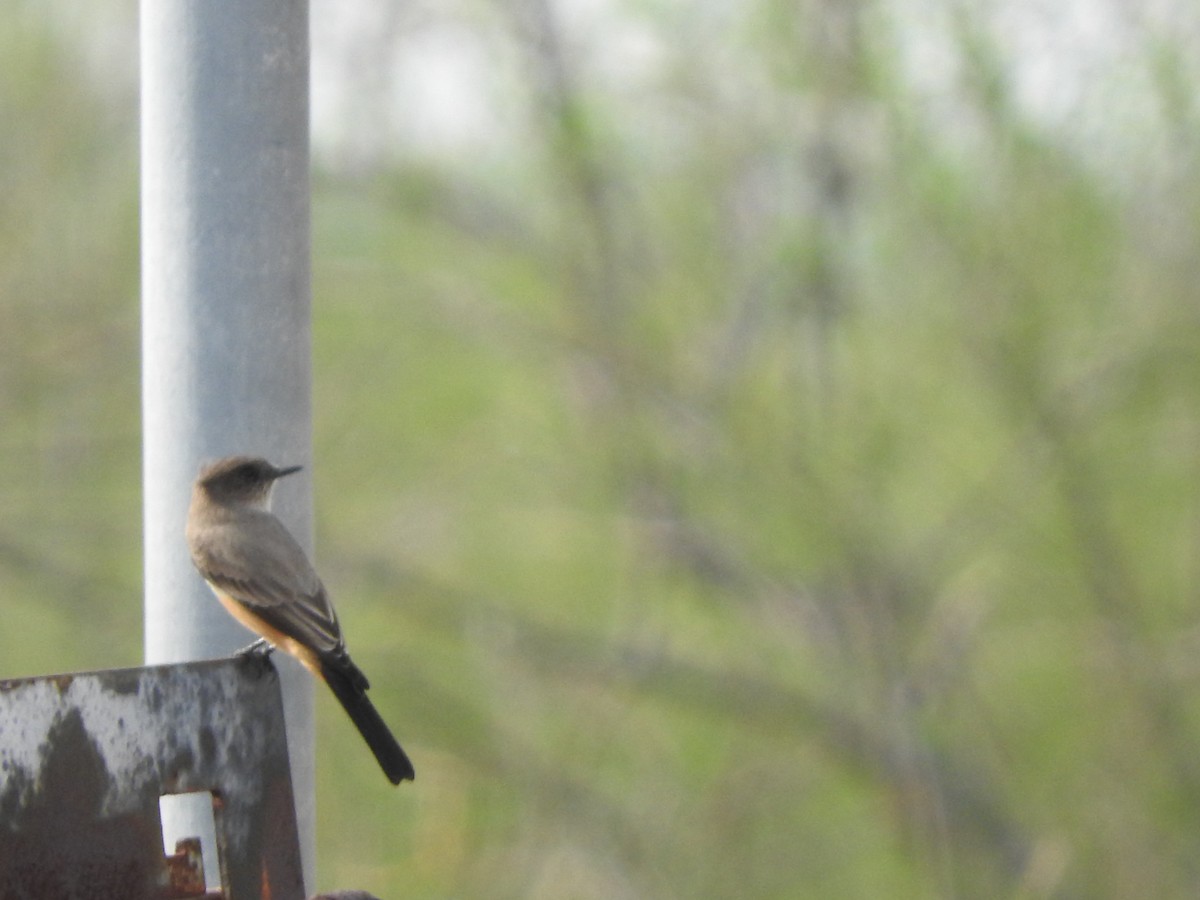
84,759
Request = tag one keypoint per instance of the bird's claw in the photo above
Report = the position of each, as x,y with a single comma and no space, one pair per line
261,648
258,655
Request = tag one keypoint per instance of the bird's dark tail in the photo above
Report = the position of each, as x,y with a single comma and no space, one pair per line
349,686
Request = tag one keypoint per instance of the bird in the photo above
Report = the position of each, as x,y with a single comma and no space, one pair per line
263,578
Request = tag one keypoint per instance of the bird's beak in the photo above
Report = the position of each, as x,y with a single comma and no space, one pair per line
287,470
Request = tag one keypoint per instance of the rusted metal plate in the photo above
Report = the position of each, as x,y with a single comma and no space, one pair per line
84,759
185,872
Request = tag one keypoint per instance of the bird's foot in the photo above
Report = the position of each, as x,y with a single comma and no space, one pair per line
261,648
257,655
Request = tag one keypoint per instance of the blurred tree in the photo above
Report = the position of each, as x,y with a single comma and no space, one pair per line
764,438
69,533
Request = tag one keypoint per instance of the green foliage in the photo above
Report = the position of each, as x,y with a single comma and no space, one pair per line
70,493
745,480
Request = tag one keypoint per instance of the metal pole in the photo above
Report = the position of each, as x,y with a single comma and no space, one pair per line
226,300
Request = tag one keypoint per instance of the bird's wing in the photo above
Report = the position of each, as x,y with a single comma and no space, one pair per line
257,562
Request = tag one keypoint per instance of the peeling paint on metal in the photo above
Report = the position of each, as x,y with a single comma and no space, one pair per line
85,757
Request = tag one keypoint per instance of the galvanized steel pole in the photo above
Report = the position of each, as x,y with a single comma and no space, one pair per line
225,303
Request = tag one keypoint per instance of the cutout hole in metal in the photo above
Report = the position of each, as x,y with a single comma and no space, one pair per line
191,816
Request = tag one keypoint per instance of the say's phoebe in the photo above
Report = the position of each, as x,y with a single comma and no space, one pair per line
262,577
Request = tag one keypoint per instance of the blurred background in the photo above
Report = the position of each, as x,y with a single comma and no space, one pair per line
756,441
